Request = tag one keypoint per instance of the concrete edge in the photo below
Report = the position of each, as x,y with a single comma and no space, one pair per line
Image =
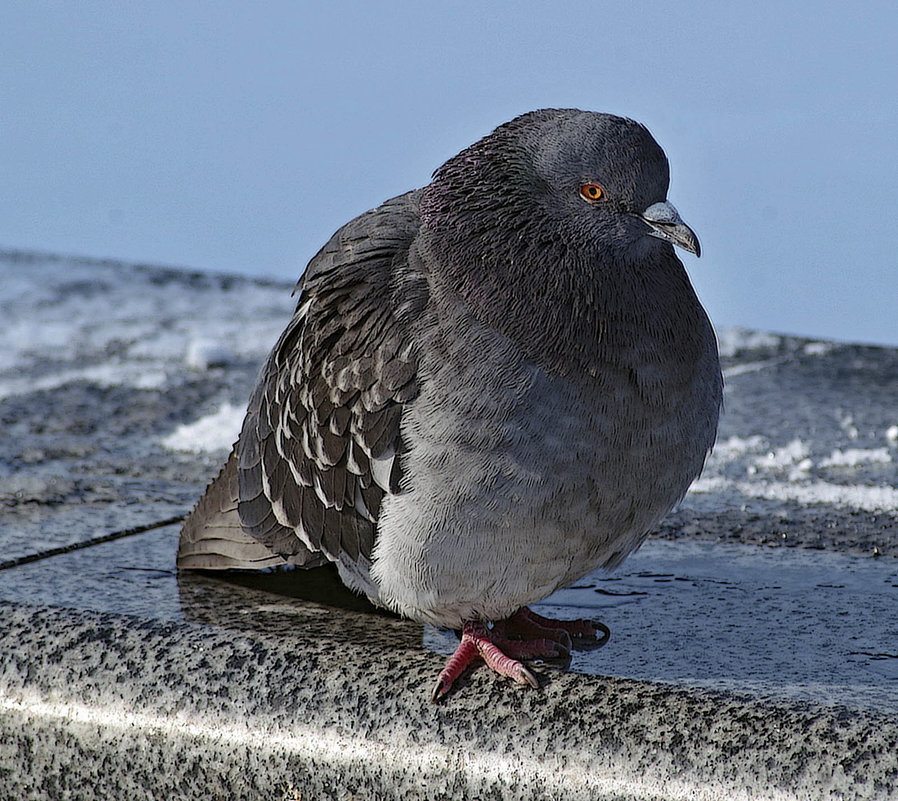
102,705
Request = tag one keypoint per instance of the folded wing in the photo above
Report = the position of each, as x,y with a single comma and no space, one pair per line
321,442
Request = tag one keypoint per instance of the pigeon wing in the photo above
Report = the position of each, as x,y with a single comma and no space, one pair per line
321,441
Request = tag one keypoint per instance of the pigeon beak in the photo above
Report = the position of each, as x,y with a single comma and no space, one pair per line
666,223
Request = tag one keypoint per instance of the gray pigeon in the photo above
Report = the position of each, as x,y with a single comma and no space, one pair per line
490,387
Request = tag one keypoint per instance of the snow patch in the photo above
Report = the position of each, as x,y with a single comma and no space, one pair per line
214,432
205,353
852,457
848,426
868,499
752,367
135,326
111,374
734,447
731,341
793,457
818,348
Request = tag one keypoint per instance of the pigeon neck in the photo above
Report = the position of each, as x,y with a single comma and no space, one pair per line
571,312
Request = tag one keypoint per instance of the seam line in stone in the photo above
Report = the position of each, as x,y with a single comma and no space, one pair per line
77,546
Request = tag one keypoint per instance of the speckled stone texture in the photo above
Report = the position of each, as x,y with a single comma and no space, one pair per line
120,679
285,705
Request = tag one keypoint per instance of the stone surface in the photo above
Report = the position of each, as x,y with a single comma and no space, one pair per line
273,700
752,651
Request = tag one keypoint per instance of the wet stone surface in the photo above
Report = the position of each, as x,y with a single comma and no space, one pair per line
790,624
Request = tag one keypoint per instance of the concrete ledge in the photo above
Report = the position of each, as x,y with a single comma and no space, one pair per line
97,705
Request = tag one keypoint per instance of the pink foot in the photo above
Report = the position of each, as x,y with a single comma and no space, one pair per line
528,624
477,643
524,635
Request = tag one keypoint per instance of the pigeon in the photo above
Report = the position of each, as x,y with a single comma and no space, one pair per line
490,387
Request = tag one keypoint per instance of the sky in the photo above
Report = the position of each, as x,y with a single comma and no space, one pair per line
237,137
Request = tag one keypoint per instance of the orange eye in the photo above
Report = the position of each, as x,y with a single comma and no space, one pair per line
592,193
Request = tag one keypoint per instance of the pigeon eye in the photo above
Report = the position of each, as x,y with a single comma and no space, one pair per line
592,193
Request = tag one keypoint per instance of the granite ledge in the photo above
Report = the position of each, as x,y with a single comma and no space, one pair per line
100,705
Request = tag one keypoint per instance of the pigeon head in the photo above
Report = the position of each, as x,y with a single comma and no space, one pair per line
608,174
553,226
597,182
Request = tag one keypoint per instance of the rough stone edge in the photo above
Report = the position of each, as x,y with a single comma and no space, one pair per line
95,705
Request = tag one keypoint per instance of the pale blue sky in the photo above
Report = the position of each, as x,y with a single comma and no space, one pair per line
238,136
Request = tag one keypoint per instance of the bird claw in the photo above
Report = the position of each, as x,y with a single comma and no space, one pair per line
439,690
599,627
526,677
524,635
480,642
520,674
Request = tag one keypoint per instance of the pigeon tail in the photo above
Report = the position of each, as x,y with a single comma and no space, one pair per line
213,539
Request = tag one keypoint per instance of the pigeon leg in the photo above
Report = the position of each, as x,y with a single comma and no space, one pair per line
477,642
527,625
